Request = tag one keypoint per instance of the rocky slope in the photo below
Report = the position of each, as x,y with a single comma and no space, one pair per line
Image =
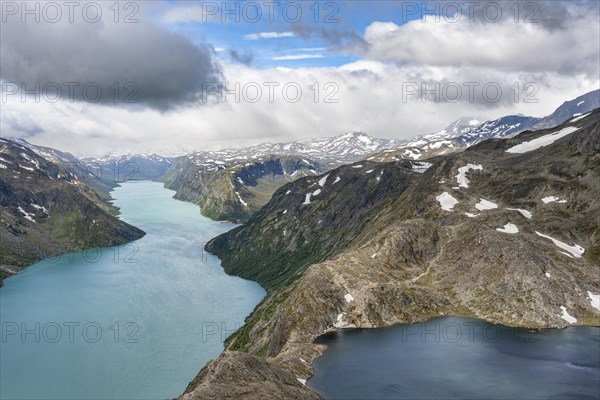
105,173
507,231
47,211
234,189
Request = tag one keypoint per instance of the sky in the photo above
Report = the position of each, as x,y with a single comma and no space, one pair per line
176,76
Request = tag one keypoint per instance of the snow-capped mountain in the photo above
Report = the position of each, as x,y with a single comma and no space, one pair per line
498,128
123,167
569,109
333,151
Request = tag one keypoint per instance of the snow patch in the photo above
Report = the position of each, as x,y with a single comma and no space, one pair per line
461,178
323,180
552,199
348,297
525,213
421,167
485,205
471,215
547,274
374,255
37,207
302,381
566,316
241,200
357,166
307,199
27,215
579,117
542,141
595,299
575,250
2,166
508,228
337,179
447,202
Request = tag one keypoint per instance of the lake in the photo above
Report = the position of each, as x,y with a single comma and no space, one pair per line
136,321
459,358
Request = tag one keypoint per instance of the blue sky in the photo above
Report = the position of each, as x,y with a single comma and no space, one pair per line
302,42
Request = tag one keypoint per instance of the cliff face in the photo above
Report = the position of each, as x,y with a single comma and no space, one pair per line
236,190
503,233
46,211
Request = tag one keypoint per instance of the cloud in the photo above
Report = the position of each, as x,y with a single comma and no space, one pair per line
155,67
245,56
18,123
502,46
375,97
298,57
268,35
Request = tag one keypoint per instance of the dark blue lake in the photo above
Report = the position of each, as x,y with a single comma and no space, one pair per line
459,358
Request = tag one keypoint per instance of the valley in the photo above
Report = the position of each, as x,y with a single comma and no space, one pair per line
489,220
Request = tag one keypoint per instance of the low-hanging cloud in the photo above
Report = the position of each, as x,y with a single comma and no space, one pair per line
150,66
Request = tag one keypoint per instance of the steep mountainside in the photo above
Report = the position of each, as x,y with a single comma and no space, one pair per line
507,231
234,189
105,173
47,211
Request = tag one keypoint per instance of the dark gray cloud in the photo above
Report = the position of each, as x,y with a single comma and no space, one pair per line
151,66
19,124
245,56
341,39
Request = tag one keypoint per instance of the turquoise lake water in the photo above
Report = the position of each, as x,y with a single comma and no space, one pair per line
136,321
459,358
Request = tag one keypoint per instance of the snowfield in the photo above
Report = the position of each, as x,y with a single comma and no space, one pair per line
552,199
595,299
525,213
575,250
508,228
323,180
461,178
566,316
485,205
447,202
542,141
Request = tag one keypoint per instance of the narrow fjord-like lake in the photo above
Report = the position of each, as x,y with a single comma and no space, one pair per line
459,358
136,321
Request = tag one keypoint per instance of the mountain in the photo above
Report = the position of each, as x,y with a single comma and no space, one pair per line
569,109
507,230
332,151
125,167
234,189
468,131
498,128
105,173
47,210
232,184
